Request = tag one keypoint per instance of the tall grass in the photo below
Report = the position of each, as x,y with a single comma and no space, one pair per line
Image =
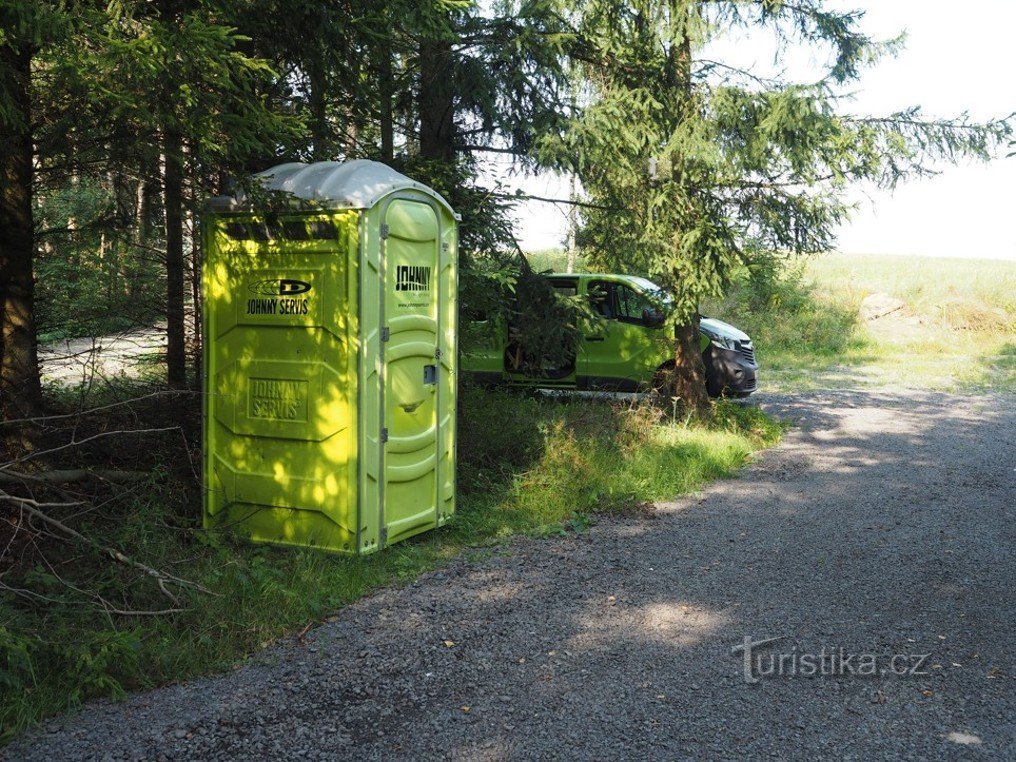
954,331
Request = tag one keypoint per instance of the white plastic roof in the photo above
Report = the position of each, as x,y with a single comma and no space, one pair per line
357,184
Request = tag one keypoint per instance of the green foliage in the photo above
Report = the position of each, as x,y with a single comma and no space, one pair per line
91,281
58,668
775,304
558,458
556,260
545,327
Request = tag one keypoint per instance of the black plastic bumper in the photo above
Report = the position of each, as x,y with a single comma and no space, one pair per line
729,372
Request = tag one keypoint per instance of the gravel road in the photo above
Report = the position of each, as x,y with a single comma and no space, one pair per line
883,525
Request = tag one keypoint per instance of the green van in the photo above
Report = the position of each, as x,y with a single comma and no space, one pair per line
630,351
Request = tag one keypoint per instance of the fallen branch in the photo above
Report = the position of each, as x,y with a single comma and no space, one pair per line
78,442
33,508
92,411
102,603
67,476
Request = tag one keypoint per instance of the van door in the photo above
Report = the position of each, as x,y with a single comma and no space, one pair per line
529,371
622,353
410,367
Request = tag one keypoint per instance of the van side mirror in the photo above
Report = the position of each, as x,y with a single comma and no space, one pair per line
652,318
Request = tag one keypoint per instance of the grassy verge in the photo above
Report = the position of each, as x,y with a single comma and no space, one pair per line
527,465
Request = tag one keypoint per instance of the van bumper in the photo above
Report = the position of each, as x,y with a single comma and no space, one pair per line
730,372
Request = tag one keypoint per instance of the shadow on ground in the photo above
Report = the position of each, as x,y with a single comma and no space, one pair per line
883,525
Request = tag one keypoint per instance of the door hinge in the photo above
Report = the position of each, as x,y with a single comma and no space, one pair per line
437,353
384,229
384,435
386,333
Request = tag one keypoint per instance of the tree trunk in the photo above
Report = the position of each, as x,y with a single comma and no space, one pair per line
437,127
20,391
386,95
689,380
689,370
146,207
176,352
320,130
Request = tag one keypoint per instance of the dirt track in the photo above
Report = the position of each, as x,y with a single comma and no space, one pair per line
883,525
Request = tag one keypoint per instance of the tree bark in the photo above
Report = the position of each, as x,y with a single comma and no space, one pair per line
176,352
436,103
689,379
320,130
20,390
386,96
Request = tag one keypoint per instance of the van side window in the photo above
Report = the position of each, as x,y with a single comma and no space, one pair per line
565,287
600,293
631,305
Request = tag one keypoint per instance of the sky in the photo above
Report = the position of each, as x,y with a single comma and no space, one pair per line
957,58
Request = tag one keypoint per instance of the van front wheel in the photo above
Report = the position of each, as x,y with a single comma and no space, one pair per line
663,380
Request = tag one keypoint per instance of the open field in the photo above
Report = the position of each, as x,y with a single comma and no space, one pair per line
956,329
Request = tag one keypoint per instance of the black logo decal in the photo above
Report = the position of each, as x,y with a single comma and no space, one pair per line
290,287
412,278
275,297
281,287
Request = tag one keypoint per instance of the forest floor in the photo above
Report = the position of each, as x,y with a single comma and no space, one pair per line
882,527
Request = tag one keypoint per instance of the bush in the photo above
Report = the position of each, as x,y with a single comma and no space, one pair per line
785,316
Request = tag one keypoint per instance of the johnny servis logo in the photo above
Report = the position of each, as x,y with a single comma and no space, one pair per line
279,287
279,296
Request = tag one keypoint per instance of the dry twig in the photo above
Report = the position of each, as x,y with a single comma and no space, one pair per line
162,578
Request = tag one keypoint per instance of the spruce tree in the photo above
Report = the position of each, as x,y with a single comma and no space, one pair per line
695,168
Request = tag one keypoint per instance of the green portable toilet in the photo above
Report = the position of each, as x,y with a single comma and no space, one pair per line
330,358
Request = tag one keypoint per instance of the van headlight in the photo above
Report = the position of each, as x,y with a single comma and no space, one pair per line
724,342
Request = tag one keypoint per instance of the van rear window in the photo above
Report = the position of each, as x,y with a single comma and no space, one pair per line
565,287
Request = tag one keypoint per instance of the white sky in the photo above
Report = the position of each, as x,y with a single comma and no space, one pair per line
957,58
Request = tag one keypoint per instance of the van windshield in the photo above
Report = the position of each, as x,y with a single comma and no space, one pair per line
654,292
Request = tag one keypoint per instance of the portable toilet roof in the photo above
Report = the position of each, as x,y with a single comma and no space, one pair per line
357,184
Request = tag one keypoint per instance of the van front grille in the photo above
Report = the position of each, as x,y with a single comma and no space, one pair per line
747,352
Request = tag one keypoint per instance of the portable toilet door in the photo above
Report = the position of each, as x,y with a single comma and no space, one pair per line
383,354
411,358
